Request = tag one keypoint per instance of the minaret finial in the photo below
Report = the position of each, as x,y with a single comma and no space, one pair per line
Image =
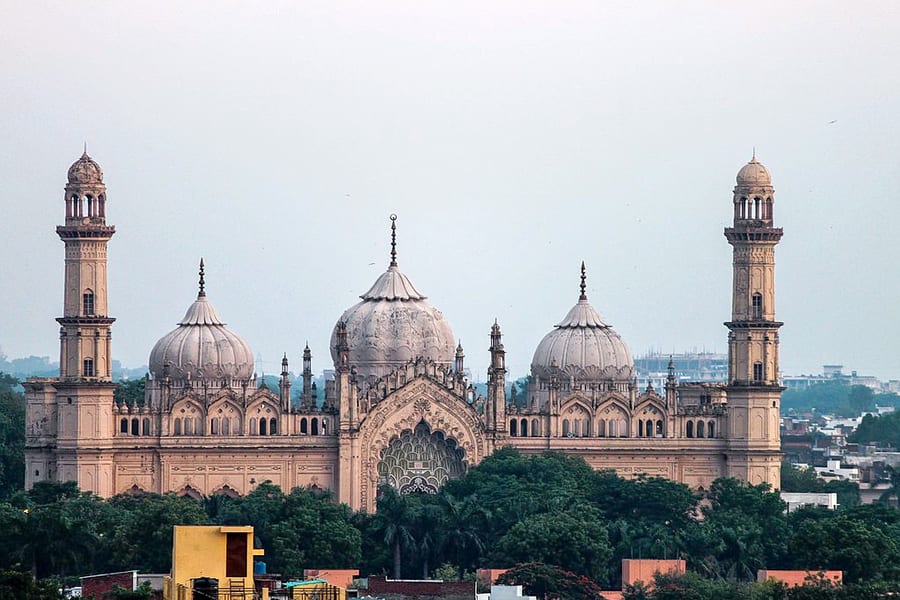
202,293
754,155
393,240
85,147
583,286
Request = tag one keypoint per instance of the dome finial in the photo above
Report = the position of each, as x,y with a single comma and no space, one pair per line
393,240
583,279
85,148
753,158
202,293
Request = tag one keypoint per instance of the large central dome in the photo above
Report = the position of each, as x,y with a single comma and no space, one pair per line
393,325
584,347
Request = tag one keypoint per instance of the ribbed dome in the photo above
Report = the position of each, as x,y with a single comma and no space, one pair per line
754,174
201,347
85,170
392,325
583,346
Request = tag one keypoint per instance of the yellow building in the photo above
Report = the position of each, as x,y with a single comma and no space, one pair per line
211,558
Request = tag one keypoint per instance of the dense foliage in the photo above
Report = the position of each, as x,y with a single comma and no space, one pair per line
837,397
12,436
567,525
883,430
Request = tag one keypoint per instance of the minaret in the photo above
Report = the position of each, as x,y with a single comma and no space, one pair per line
80,411
85,324
307,400
495,408
753,391
285,385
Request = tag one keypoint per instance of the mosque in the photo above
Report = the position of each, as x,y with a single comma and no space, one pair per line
399,410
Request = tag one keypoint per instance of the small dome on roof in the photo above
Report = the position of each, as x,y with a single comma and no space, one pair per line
201,347
85,170
583,346
754,173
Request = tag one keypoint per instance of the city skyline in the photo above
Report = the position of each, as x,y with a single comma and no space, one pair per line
513,143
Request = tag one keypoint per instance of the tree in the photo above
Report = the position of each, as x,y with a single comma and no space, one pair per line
861,399
396,516
135,545
847,544
548,581
16,585
743,530
12,437
463,522
575,540
130,392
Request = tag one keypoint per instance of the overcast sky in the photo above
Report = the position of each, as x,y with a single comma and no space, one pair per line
513,139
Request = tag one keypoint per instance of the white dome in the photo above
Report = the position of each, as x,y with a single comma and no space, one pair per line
201,347
585,347
393,325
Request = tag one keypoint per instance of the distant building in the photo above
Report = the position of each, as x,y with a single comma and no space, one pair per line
795,500
709,367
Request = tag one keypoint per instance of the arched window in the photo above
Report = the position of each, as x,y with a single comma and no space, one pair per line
649,428
613,429
601,428
623,428
214,426
324,426
273,426
303,429
640,429
146,426
226,426
535,428
178,426
757,305
262,426
87,302
188,426
135,427
88,367
700,428
253,429
711,429
123,426
513,428
314,426
565,427
689,429
659,429
524,428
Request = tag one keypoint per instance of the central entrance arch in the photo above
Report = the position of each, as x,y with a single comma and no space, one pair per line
420,461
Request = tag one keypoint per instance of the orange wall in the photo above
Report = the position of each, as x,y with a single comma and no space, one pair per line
634,570
798,578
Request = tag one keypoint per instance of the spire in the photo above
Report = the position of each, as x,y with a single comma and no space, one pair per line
753,158
202,293
85,155
393,240
583,279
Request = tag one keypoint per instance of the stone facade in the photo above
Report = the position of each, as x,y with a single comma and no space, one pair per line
399,411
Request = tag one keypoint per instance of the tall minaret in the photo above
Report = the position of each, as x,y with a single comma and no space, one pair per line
70,419
85,333
754,392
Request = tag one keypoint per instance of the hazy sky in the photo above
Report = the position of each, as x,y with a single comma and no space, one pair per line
513,139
